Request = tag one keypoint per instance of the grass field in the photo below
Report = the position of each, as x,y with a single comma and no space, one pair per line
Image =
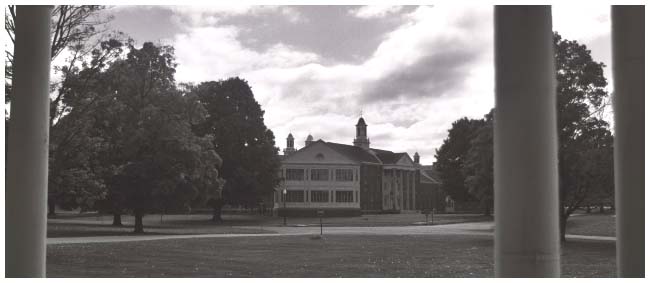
594,224
299,256
67,225
74,225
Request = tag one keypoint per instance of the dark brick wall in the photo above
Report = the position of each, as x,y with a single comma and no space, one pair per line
313,212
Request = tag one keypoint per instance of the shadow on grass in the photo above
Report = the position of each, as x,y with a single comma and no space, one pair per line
301,256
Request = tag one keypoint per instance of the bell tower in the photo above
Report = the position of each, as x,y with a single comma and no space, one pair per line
289,149
309,140
362,136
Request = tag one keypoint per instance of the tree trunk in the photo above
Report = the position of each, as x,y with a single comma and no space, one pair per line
588,208
602,207
117,219
563,221
51,207
486,205
216,213
139,229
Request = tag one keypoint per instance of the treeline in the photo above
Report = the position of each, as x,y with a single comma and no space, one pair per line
126,138
586,169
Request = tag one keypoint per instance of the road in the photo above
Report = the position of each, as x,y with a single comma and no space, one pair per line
472,228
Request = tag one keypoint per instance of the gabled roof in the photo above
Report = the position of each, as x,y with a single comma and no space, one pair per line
354,152
359,154
430,172
387,157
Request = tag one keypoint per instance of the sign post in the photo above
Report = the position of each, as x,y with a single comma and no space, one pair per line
426,213
284,201
320,214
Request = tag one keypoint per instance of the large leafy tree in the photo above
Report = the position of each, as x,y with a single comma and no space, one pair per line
247,146
152,159
74,168
584,138
452,154
478,167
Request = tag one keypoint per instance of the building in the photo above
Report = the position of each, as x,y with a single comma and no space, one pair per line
343,179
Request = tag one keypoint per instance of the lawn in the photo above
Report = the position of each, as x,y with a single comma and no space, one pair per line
86,225
594,224
299,256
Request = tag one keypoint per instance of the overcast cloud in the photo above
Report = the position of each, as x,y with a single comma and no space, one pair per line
411,70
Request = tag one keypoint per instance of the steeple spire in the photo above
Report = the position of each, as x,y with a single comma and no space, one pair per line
309,140
361,139
289,149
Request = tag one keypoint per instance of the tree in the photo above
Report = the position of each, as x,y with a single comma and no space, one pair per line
600,167
247,146
584,138
586,171
72,27
152,159
74,140
451,156
478,166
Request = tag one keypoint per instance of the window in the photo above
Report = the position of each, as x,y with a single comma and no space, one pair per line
320,196
295,174
344,196
295,196
344,175
320,174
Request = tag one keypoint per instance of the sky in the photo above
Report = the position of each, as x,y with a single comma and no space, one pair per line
409,70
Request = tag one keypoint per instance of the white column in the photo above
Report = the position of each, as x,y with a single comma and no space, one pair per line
628,62
404,191
26,191
414,188
395,203
407,185
527,240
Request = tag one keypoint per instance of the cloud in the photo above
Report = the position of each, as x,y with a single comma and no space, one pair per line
591,22
433,75
421,76
375,11
210,15
212,53
412,70
431,55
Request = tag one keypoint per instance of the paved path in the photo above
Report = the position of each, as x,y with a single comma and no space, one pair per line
475,228
113,239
